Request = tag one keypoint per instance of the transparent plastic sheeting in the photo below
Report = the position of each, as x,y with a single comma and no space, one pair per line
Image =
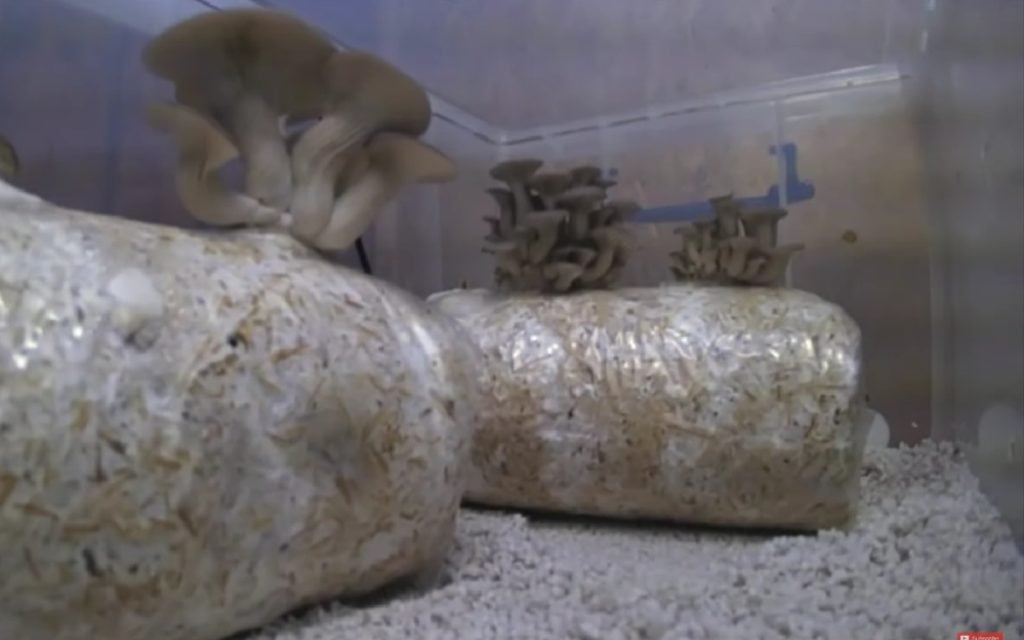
723,406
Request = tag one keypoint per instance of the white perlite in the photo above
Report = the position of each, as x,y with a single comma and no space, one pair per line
927,556
199,433
720,405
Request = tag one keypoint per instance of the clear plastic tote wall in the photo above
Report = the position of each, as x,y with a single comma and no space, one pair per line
585,319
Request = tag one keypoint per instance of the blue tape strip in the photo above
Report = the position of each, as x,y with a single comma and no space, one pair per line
796,191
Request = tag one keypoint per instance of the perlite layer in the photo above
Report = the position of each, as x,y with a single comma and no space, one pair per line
702,404
199,433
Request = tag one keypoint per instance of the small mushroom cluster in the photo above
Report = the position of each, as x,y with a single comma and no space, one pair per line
737,247
326,137
556,232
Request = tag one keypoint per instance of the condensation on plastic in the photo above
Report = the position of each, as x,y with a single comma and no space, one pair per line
724,406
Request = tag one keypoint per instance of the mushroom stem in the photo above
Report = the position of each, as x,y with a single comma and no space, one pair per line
605,239
506,205
521,199
394,161
562,275
319,146
320,156
202,149
546,223
727,214
763,225
579,225
356,208
365,95
516,174
778,261
256,130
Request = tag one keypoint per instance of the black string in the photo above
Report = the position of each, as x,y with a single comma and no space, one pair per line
364,260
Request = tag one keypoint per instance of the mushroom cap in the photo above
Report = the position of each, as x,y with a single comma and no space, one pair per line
550,183
408,159
216,55
586,175
195,133
515,170
581,196
376,91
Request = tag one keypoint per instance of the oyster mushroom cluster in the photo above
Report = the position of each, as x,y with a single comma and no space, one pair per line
556,232
737,247
326,137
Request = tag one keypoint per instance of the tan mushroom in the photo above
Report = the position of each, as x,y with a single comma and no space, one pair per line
547,225
607,241
777,263
494,226
203,148
549,186
727,214
562,275
763,225
315,195
691,245
516,173
582,256
245,68
706,230
740,258
394,160
508,264
365,95
580,201
705,250
613,273
9,163
506,208
496,245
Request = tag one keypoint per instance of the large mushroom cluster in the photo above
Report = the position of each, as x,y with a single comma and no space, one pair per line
326,137
737,247
556,232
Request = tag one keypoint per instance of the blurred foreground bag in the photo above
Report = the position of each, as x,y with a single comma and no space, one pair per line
716,405
201,432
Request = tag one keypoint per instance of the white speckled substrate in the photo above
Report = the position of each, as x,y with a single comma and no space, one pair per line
719,405
200,432
928,556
